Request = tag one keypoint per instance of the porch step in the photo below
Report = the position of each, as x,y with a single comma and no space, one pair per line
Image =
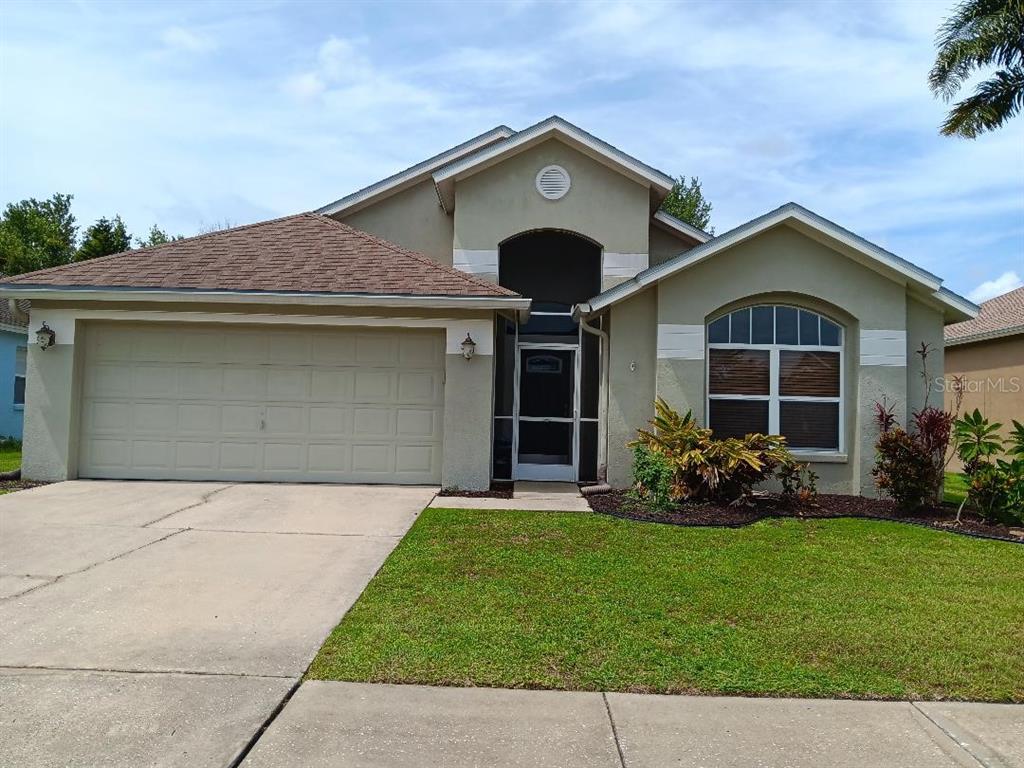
532,489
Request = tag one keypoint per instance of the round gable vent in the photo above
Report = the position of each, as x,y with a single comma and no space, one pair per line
553,182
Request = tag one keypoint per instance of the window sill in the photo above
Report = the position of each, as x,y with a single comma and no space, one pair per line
820,457
18,407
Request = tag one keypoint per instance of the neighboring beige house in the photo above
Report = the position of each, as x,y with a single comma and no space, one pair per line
987,354
509,308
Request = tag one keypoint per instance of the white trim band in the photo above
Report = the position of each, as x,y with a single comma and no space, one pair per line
680,342
625,265
480,263
883,348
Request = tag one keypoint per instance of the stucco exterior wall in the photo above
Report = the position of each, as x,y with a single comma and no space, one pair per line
412,218
631,379
784,266
52,396
501,201
993,373
924,326
11,415
664,245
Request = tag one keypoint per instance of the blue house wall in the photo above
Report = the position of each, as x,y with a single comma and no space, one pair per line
11,415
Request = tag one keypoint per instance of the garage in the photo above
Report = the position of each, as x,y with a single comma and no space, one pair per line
261,403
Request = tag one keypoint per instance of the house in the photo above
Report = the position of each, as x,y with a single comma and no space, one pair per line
13,355
987,355
509,308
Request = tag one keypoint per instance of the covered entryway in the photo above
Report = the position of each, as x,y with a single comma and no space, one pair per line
262,403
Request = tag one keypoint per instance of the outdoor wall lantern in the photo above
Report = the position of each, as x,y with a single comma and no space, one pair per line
468,347
45,337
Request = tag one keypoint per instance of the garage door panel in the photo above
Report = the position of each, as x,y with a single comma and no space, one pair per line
284,404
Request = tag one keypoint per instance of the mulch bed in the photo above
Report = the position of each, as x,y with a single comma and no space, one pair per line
498,490
17,485
619,504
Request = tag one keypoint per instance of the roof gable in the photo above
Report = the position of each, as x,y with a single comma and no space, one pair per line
553,127
812,225
302,254
414,174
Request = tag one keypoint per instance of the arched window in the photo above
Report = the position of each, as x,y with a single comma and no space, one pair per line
777,370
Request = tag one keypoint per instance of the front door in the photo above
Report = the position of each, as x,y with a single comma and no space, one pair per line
546,413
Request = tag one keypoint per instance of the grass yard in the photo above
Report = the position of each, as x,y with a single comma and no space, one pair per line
10,459
955,488
848,608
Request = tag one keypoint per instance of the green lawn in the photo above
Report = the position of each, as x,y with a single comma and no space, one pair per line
955,488
10,458
850,608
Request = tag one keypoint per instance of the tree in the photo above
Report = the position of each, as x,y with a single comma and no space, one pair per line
981,33
37,234
686,202
103,238
156,237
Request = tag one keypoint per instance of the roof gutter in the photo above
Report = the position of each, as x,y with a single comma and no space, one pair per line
72,293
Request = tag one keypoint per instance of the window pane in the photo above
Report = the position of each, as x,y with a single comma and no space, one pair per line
547,381
590,375
504,368
718,331
785,325
809,374
503,449
739,371
810,425
740,327
549,325
588,450
808,328
763,330
20,359
19,390
829,333
736,418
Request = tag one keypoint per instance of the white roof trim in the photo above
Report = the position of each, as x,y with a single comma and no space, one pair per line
576,137
670,222
418,172
266,297
787,212
998,333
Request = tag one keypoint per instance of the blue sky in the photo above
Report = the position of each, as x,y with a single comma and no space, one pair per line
186,115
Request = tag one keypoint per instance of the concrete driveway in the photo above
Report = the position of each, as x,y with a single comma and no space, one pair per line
163,623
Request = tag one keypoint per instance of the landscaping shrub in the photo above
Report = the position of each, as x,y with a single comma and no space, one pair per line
652,477
799,482
702,468
910,466
995,486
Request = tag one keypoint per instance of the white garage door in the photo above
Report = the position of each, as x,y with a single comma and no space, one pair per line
209,402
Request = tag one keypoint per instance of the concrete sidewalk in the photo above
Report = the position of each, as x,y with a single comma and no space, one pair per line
355,724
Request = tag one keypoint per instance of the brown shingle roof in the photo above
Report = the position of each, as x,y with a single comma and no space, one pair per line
6,318
1001,316
305,253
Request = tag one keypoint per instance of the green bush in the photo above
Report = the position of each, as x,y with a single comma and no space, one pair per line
652,478
995,486
702,468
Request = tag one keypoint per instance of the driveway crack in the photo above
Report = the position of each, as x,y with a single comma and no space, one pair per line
204,499
89,567
115,670
615,731
945,727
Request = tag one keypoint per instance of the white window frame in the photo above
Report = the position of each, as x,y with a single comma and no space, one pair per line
773,397
22,376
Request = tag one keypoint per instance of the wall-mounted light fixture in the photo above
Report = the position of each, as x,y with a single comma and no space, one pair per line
468,347
45,337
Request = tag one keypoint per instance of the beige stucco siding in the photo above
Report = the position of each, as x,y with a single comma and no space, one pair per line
502,201
412,218
781,266
924,326
664,245
631,379
993,378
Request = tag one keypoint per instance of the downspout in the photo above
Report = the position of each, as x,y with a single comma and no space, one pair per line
602,401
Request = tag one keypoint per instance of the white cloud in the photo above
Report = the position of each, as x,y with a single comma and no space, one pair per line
183,39
1008,281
